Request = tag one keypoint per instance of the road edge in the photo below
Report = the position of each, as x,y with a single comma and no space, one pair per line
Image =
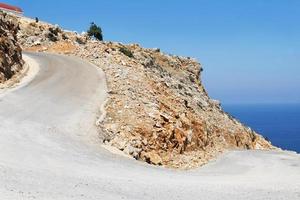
27,74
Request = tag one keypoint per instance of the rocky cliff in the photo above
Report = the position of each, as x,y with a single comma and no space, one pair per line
157,109
10,52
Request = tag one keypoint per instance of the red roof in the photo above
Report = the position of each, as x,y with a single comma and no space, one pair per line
9,7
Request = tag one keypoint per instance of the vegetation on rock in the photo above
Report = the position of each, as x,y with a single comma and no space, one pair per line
126,52
95,31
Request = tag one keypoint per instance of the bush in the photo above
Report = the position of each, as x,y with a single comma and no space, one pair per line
64,37
53,33
80,40
126,52
95,31
52,37
54,30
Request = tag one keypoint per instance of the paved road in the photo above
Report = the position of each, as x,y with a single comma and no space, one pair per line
49,150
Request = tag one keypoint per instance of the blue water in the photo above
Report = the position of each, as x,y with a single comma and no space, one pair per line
279,123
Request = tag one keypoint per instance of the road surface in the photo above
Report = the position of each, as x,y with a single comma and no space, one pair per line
49,150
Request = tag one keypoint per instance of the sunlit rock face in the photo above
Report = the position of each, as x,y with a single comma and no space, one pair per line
10,52
157,110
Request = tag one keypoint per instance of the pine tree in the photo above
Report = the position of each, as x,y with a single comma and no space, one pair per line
95,31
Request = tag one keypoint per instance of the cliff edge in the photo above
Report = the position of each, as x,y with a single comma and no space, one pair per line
10,52
157,109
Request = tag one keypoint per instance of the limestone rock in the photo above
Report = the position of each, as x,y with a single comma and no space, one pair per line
152,158
157,110
10,52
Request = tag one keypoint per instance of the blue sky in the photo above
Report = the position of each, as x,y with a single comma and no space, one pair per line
250,49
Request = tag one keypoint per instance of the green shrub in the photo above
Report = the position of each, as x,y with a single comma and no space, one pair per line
95,31
126,52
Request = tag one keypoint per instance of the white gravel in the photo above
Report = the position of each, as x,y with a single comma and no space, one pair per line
49,150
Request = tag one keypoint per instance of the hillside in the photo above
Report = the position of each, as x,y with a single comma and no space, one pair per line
10,52
157,109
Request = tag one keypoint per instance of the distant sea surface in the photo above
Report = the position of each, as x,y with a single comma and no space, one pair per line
279,123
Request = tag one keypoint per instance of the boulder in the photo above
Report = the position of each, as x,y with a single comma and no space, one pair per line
152,158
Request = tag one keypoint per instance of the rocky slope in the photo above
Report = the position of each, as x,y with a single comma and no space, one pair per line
10,52
157,110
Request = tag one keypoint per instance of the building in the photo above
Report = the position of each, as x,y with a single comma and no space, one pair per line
12,9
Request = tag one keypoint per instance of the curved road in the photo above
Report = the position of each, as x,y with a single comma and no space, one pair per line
49,149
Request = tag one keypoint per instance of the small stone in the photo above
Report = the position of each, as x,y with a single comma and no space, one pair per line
145,142
153,158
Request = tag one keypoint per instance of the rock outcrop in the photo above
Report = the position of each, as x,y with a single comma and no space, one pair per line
42,36
10,52
157,110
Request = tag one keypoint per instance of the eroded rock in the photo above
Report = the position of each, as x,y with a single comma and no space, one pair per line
158,110
10,52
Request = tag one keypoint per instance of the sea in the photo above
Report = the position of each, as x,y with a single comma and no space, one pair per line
279,123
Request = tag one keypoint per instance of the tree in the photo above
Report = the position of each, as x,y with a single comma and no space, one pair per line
95,31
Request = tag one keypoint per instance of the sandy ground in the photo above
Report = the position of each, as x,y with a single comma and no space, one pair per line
49,150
